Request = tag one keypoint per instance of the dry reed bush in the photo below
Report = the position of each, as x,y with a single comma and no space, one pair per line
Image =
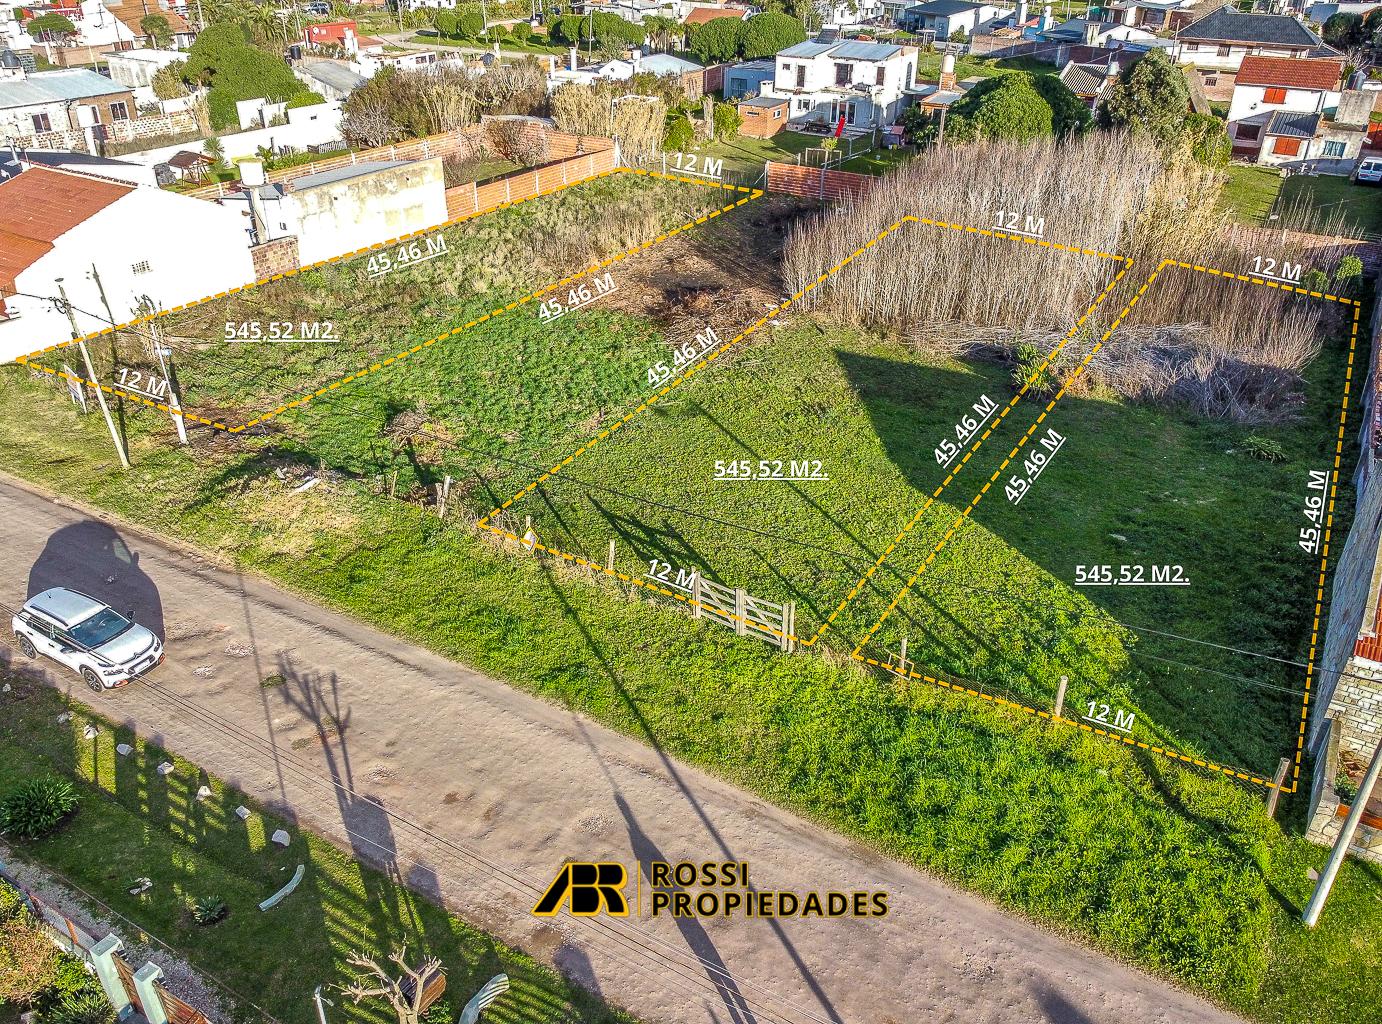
1223,347
639,122
941,284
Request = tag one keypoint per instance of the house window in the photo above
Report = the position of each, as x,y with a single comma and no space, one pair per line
1212,80
843,73
777,114
1223,50
1335,150
119,112
42,123
1249,132
142,267
1286,147
1275,94
801,76
878,79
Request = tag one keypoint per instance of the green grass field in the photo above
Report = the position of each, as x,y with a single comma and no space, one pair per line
1174,869
1252,194
132,822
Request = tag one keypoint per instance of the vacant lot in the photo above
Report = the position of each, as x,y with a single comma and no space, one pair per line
1165,865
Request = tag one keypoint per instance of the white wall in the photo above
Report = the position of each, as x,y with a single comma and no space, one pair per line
193,248
348,215
307,126
1249,100
1206,55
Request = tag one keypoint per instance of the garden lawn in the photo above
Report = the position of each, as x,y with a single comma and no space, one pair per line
1360,206
745,155
1170,868
133,822
1250,193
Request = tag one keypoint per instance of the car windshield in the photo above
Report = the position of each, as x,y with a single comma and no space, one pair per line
101,628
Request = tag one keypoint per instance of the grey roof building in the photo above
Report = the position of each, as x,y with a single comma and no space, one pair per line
1227,25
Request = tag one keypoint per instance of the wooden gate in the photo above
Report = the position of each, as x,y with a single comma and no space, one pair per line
745,614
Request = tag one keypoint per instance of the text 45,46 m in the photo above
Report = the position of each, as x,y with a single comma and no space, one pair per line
1034,465
965,430
419,250
1314,511
582,294
683,356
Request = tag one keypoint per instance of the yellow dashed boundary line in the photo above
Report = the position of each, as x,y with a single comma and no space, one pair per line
750,194
1324,556
484,523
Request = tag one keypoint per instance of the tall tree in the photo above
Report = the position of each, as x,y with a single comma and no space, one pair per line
716,40
1151,97
157,29
765,34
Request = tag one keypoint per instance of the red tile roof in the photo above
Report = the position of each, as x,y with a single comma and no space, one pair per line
132,12
18,253
40,204
1290,72
701,15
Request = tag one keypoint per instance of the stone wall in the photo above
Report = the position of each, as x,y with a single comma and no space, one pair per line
1327,811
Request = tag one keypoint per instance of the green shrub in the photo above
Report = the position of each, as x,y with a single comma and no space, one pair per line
1316,280
765,34
445,22
680,134
37,807
497,32
1264,448
208,910
1349,267
470,25
728,120
1346,788
1029,371
305,99
86,1007
11,903
522,31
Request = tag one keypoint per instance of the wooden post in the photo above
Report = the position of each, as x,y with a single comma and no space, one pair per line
1060,698
789,626
1274,794
393,484
697,611
609,559
902,657
741,612
527,525
443,493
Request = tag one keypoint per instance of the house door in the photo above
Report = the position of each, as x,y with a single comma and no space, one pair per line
849,112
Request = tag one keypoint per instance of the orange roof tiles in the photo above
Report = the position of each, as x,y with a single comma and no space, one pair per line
17,254
701,15
1290,72
132,12
42,203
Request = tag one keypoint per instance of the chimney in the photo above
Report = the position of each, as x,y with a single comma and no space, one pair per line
1045,18
1091,32
251,172
1020,18
252,177
1111,72
572,62
947,82
637,59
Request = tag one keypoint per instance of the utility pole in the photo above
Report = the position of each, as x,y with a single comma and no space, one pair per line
165,363
321,1010
1311,916
91,373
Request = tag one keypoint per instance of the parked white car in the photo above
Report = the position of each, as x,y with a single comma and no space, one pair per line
1369,171
94,640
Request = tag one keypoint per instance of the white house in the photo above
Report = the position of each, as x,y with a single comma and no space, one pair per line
946,17
339,211
865,83
1219,41
54,225
136,68
61,109
1326,141
1298,85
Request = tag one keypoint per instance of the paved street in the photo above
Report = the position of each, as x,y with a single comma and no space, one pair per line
508,787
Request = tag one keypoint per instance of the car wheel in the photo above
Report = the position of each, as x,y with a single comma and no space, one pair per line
26,645
92,680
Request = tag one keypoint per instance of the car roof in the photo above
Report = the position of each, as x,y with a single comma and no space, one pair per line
67,607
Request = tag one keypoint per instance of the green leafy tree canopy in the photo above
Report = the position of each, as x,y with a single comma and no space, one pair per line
50,26
716,40
156,27
1004,107
765,34
1151,97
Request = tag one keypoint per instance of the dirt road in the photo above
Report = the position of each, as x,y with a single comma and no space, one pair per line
464,787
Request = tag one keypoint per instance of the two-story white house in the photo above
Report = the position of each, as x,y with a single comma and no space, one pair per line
1219,41
868,84
1264,84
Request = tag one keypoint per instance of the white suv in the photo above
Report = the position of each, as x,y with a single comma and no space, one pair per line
89,637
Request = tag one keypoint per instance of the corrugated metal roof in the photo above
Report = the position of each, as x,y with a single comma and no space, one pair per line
56,86
346,173
666,64
865,51
337,76
1292,125
807,49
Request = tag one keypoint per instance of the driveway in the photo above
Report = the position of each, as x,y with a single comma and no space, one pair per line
477,793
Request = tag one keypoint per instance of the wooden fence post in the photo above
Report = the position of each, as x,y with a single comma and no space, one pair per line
902,657
1060,698
741,612
609,559
1274,794
696,609
475,202
789,626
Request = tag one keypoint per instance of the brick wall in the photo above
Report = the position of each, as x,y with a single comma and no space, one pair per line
465,200
816,182
276,257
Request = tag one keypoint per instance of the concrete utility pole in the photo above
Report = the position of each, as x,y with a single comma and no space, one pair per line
1311,916
91,373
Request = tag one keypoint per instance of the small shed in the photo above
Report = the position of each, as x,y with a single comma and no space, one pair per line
189,166
764,116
